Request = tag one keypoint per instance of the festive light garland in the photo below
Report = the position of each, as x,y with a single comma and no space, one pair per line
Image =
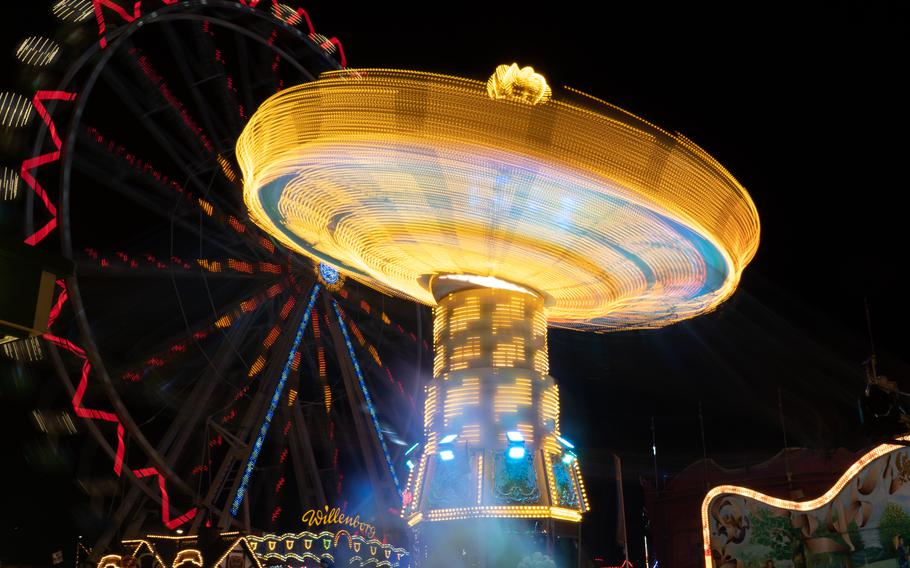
276,397
395,177
288,546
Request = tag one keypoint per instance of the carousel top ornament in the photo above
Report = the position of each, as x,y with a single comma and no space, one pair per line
405,179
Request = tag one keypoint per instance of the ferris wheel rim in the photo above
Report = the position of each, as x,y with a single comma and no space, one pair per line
117,38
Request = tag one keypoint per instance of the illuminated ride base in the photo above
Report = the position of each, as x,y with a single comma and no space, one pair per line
213,549
508,209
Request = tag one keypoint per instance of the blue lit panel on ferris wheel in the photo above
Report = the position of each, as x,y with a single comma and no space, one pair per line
264,429
366,395
328,274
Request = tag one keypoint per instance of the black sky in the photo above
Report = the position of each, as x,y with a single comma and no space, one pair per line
806,106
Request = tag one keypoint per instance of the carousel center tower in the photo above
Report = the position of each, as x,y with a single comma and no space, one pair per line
508,207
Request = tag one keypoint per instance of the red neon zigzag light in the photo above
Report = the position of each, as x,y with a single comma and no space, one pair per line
95,414
29,165
137,12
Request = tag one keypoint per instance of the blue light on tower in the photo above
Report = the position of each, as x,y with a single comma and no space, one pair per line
516,445
568,456
565,442
516,452
445,451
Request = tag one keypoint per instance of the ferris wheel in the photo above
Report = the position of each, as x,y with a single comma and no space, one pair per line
222,380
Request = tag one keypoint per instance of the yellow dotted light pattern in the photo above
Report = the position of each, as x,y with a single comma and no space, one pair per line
37,51
395,177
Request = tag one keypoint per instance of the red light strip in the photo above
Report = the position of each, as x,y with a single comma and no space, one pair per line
137,12
333,40
165,499
91,413
99,16
120,11
29,165
169,96
172,352
58,305
95,414
207,208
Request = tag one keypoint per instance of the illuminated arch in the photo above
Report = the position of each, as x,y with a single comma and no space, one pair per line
798,506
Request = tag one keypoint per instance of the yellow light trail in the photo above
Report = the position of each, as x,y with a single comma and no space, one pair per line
397,177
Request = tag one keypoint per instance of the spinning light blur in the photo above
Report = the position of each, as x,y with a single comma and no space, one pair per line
395,177
507,206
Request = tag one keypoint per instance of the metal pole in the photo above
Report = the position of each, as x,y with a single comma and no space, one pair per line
783,426
871,338
622,507
578,547
654,454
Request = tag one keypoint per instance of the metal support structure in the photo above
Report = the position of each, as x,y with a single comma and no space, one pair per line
304,460
174,442
366,436
240,443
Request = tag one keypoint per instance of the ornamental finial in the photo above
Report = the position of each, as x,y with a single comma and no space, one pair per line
518,84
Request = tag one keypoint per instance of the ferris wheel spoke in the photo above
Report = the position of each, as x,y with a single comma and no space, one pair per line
158,94
220,137
170,352
110,164
191,161
246,80
92,269
129,191
369,436
119,264
234,112
150,115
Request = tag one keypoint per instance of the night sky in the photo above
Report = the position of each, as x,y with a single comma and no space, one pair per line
807,108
